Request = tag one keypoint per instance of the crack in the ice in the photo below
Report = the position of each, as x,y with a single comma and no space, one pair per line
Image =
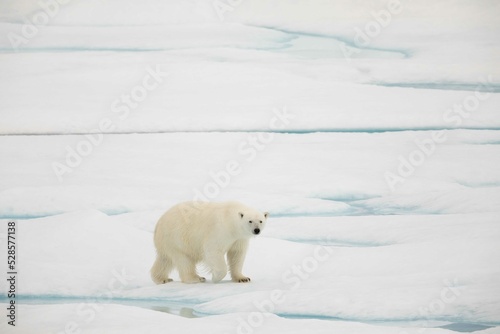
404,53
297,131
485,88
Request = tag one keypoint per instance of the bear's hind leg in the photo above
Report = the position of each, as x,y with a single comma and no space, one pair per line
216,262
187,269
161,269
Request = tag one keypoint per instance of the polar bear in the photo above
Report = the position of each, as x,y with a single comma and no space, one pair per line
206,232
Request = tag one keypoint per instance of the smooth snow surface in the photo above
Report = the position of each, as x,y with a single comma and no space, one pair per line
378,158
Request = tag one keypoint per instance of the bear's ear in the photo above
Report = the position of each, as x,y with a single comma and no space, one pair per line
266,214
241,214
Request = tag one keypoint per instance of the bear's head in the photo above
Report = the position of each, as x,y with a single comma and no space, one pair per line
253,222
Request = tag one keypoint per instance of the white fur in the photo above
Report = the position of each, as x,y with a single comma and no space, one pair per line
194,232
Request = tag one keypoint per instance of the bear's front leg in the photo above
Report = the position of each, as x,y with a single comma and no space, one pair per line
217,264
236,258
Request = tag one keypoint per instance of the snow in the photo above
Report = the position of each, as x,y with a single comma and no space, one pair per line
339,173
114,318
377,156
372,269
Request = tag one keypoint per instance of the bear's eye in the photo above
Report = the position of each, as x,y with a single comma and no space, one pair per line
250,221
261,221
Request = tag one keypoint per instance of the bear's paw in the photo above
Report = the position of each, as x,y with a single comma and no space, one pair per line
242,279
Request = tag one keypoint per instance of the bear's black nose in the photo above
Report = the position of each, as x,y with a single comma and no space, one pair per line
256,231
